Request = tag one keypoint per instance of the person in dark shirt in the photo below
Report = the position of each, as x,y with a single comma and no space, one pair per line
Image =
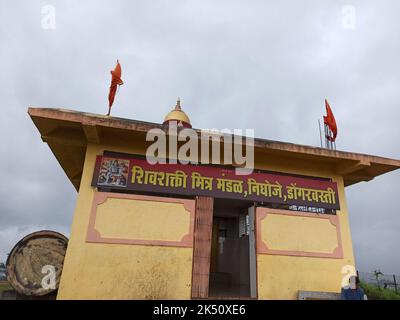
354,291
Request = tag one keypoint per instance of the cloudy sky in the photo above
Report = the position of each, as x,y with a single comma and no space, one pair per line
266,65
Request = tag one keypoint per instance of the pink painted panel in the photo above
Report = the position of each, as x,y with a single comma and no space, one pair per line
100,197
262,248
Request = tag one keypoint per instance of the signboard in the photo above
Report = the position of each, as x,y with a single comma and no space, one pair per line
129,172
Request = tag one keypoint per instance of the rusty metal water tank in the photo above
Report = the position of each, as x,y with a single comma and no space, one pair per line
32,260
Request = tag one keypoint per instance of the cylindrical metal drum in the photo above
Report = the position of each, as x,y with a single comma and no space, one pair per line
35,263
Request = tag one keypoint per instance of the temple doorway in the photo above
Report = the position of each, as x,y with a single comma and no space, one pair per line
233,265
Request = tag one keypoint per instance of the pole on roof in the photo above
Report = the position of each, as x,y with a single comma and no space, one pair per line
326,137
320,134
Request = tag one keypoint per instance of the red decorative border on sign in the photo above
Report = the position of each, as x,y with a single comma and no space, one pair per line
262,248
100,197
113,173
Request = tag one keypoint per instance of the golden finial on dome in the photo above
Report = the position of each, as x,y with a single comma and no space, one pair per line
178,104
178,115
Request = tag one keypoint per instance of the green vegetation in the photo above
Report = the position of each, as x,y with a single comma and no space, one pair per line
373,292
5,286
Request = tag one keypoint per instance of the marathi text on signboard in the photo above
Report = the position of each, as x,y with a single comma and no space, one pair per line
136,174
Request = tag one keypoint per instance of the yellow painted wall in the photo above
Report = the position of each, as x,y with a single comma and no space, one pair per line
121,271
142,220
281,277
298,233
117,271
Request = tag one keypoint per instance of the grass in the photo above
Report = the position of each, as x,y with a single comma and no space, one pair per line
375,293
5,286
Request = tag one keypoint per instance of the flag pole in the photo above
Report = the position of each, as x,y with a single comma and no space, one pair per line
329,135
320,134
327,142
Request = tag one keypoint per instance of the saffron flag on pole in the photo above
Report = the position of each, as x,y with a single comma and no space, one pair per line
115,82
330,121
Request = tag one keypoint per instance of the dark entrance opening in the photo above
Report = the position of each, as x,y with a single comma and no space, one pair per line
231,272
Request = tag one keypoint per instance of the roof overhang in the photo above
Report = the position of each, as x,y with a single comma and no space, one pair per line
69,132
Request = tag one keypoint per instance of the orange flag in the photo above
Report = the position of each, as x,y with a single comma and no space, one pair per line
115,82
330,121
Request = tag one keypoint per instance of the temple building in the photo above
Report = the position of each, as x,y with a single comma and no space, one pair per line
201,231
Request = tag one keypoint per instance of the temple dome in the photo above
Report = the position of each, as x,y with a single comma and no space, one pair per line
177,116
